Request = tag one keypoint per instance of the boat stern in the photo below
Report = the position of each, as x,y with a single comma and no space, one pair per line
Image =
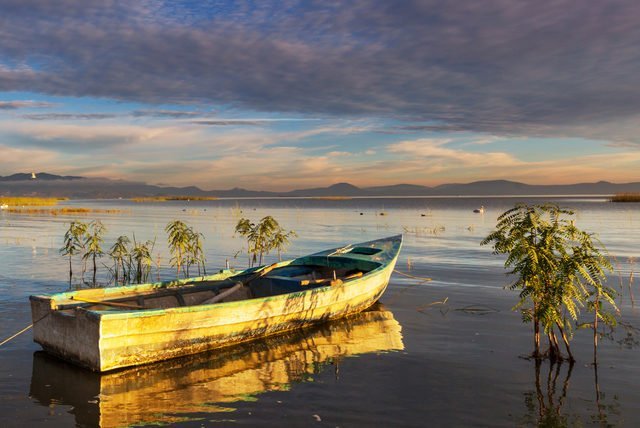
72,334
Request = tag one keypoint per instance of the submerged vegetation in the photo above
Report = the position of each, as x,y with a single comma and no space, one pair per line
626,197
559,269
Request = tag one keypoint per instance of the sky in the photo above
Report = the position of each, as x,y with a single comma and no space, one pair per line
281,95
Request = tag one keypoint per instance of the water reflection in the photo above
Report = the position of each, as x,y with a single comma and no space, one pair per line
169,391
546,405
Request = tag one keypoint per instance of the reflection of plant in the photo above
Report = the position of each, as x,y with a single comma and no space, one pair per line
545,410
545,404
73,242
559,270
263,237
93,244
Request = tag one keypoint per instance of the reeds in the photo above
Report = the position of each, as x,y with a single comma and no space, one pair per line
333,198
14,201
59,211
626,197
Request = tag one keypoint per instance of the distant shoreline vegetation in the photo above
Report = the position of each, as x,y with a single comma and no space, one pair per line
13,201
59,211
332,198
173,198
626,197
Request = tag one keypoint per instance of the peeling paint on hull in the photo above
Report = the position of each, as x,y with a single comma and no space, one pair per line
108,340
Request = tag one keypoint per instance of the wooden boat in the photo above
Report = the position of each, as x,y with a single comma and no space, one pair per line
210,382
109,328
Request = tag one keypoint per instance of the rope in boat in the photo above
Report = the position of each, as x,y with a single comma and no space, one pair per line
412,276
22,331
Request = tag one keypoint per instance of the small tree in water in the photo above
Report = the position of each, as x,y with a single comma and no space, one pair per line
120,254
93,244
73,242
141,259
186,247
178,240
558,268
263,237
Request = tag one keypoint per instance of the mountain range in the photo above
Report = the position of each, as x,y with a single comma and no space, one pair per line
51,185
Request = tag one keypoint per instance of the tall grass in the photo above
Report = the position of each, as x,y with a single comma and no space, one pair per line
626,197
59,211
13,201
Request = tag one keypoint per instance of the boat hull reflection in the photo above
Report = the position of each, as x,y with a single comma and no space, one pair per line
168,391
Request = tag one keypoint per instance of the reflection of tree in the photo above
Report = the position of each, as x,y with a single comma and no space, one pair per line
545,405
603,409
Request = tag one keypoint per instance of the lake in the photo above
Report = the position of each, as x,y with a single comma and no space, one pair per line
441,353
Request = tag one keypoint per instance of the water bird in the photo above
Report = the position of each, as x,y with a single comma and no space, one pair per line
479,210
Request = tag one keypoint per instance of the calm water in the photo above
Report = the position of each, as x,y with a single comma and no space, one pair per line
408,362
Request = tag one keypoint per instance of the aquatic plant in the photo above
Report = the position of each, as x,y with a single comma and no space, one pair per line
185,246
73,242
626,197
281,240
141,259
178,240
195,255
263,237
14,201
60,211
120,255
559,269
94,237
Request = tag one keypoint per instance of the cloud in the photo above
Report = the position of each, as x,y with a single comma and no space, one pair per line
70,116
15,105
26,160
169,114
434,161
228,122
495,66
435,152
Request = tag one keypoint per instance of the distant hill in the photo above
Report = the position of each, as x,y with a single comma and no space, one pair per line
51,185
23,176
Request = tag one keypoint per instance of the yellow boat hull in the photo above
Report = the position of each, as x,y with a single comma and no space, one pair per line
108,340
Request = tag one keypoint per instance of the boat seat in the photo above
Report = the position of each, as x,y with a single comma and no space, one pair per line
274,285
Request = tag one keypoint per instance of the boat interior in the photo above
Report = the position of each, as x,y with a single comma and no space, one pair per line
270,282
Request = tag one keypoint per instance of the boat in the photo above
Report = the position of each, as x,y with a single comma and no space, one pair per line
479,210
4,207
211,382
105,329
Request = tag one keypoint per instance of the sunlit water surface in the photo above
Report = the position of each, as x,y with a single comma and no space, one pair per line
438,353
